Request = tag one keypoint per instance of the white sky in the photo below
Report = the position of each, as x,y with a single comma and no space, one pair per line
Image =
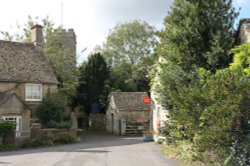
91,19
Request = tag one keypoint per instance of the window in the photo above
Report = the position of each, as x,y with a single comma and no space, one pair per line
17,120
33,92
158,112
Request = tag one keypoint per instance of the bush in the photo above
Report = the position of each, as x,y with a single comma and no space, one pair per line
240,152
58,125
7,147
64,137
6,127
52,109
43,140
47,139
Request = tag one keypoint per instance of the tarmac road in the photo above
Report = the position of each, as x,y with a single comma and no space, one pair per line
95,149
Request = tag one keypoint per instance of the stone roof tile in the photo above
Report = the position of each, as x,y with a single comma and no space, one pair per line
23,62
127,101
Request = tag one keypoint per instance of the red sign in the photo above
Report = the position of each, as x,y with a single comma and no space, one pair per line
146,100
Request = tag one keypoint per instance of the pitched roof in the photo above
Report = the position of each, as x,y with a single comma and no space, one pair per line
23,62
127,101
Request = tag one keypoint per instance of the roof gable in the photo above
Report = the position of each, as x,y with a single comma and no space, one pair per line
23,62
10,104
127,101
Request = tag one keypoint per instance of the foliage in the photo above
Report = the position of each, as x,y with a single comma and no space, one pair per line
128,51
195,33
48,139
241,60
211,114
51,109
64,137
129,42
45,139
8,147
58,125
6,127
207,105
94,74
239,155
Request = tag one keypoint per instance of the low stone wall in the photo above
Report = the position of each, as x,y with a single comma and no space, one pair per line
97,122
36,130
56,131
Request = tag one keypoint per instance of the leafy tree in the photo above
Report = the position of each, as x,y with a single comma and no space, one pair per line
128,52
52,109
194,36
241,60
60,58
203,99
93,75
195,33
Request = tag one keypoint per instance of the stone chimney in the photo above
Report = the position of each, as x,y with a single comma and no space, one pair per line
37,35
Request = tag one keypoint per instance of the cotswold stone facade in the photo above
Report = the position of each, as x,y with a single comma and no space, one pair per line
128,106
26,77
244,28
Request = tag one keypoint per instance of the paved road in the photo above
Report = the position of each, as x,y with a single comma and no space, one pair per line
94,150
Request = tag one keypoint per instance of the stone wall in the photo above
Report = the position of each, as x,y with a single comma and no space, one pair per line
132,118
136,117
245,31
19,89
97,122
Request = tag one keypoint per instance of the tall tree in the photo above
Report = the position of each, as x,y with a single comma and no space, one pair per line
194,36
93,75
127,50
197,40
198,34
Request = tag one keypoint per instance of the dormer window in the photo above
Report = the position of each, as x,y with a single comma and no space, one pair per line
33,92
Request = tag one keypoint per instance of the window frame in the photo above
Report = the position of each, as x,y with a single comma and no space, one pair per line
41,92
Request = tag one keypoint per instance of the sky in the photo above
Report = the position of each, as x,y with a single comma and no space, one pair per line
92,20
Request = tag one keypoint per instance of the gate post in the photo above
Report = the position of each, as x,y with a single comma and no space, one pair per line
123,126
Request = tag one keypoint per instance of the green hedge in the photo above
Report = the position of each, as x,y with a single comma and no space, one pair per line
6,127
48,139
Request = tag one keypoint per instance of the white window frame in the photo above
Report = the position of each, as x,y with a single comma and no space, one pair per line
41,92
18,121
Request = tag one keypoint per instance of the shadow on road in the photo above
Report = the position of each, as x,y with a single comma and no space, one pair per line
90,142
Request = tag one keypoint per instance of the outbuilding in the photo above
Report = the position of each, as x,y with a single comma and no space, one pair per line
128,111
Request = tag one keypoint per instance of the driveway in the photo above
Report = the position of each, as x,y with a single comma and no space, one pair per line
95,149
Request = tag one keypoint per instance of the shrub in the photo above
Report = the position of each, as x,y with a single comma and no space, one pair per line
7,147
58,125
6,127
64,137
43,140
51,109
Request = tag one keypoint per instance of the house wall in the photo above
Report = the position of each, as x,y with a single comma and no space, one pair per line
245,33
14,107
19,89
158,113
132,117
136,117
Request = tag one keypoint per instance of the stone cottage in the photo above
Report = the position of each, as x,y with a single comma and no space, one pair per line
127,107
26,77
